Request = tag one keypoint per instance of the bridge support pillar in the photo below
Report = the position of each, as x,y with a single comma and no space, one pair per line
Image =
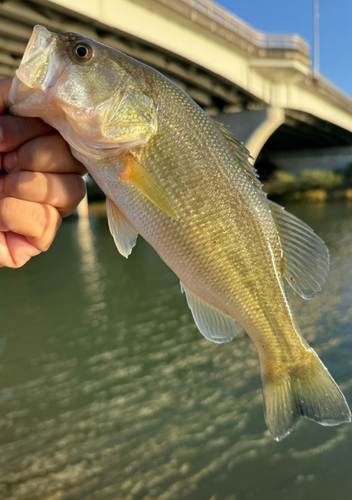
255,127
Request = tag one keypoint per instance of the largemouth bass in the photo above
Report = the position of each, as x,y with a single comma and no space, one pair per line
179,179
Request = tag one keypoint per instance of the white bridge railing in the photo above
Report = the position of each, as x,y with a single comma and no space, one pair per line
232,23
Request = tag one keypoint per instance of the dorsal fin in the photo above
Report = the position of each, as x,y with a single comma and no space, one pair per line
240,154
305,255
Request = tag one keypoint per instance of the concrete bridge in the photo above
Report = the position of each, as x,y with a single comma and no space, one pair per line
260,84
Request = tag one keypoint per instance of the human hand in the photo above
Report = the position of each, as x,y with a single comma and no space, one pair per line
43,183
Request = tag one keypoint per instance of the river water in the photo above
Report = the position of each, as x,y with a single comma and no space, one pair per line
108,391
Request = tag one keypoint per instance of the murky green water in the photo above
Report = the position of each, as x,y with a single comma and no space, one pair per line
108,391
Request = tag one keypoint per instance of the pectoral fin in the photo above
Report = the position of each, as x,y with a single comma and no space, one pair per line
124,235
212,323
146,183
306,257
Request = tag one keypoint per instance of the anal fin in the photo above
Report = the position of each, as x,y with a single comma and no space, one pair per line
213,324
124,235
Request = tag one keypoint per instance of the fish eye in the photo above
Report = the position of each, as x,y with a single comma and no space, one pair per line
81,53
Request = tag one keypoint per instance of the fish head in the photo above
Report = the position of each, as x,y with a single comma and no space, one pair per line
84,89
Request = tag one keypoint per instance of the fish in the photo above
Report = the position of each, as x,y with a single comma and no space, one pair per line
182,181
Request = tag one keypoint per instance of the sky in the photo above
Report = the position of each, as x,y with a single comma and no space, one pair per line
296,17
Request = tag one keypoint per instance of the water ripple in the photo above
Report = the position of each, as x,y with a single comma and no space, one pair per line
109,392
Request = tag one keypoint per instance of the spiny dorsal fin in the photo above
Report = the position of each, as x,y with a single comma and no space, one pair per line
212,323
124,235
306,257
144,180
240,154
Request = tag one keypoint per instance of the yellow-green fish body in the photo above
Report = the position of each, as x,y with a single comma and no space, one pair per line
177,178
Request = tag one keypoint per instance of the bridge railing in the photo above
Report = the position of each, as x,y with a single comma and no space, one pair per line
229,21
330,90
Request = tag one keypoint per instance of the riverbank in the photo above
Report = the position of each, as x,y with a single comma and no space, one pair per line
311,185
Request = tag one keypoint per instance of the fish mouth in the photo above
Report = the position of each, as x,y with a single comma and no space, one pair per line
40,39
39,66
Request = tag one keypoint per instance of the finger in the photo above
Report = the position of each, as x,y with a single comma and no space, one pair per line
15,250
63,191
5,84
38,222
47,153
16,130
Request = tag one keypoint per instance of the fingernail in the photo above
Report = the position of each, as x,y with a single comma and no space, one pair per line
9,161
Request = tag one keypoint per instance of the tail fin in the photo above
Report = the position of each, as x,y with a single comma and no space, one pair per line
310,392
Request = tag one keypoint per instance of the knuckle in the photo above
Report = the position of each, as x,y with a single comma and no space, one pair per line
13,182
26,155
75,188
53,222
5,133
80,188
7,208
3,209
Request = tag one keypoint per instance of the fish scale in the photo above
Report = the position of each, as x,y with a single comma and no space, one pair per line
180,180
207,260
221,196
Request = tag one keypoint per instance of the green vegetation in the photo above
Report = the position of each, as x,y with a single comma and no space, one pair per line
311,185
319,179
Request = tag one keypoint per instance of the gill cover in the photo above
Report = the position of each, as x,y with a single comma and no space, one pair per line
128,118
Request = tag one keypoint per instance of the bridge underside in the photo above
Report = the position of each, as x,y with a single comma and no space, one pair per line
303,131
272,131
17,18
263,129
289,130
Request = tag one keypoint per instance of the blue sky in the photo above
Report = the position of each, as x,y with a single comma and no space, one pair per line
296,16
